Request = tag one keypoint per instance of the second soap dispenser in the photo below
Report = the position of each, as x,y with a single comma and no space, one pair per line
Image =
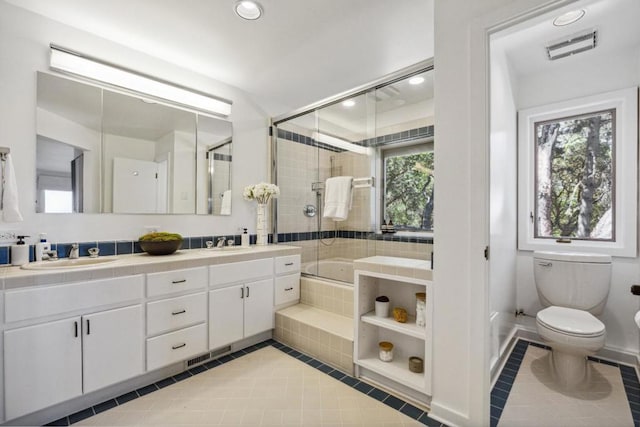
244,238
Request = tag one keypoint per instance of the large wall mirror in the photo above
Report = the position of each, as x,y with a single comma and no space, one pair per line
102,151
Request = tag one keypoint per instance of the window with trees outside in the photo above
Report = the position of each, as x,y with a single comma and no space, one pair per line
408,187
577,174
575,177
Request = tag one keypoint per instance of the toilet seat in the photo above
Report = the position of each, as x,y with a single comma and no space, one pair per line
569,321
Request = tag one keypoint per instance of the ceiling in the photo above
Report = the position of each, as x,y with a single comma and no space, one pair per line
616,22
300,52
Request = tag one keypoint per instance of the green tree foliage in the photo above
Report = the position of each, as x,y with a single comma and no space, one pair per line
409,191
581,175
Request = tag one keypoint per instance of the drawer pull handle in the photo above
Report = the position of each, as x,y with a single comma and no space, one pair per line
288,289
88,327
288,264
247,292
175,347
175,282
175,313
241,293
76,329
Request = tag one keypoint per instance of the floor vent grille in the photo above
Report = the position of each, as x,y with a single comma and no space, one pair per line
198,360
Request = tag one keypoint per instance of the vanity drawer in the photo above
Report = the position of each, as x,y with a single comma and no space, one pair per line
59,299
244,271
176,346
287,264
171,282
174,313
287,289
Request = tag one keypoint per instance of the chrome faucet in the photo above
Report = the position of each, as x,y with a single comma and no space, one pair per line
74,253
50,255
220,243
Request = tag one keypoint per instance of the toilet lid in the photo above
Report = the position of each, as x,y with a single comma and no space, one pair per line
571,321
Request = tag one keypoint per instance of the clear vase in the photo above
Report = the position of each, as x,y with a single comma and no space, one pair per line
262,237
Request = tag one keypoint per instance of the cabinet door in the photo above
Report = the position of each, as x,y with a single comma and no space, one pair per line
112,347
42,366
258,307
225,315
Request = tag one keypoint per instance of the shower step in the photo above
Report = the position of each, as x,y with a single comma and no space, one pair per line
322,334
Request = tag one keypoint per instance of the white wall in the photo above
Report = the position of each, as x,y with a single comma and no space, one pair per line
503,204
461,314
24,41
618,70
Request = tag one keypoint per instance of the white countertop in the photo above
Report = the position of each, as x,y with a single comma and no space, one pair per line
126,265
395,266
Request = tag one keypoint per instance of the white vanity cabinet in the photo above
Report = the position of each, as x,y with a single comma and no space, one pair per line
241,302
177,323
287,281
50,362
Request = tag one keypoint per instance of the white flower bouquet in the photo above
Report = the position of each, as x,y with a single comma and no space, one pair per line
261,192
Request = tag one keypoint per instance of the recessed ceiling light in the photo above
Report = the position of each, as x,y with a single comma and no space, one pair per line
569,18
250,10
348,103
416,80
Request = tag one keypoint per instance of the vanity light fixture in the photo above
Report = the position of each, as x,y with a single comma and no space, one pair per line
68,61
249,10
341,143
416,80
569,18
348,103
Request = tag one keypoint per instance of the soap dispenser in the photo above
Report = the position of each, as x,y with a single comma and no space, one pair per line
244,239
42,246
20,252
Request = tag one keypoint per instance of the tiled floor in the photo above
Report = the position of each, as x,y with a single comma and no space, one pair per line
526,395
265,385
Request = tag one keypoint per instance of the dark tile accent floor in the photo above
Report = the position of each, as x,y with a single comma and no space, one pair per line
375,393
503,385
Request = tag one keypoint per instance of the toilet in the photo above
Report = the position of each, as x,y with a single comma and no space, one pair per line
574,288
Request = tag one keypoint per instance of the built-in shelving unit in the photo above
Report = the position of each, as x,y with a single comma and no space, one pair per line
399,279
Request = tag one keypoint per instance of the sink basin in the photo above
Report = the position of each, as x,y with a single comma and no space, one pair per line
228,249
68,263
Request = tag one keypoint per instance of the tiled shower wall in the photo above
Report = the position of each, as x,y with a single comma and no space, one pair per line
300,163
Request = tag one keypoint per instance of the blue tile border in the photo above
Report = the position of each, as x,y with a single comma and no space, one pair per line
126,247
502,387
363,387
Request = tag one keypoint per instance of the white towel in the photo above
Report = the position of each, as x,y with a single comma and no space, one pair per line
10,208
225,208
337,197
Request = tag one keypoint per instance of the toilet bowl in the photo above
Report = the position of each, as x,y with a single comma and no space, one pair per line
573,287
572,335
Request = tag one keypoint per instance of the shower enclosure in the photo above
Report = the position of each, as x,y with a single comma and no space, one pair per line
370,134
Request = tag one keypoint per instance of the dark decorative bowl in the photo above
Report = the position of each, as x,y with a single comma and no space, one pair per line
160,248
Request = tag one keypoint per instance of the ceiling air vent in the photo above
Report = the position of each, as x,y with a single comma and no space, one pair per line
573,44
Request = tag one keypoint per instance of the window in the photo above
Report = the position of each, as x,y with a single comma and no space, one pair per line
575,177
408,187
577,174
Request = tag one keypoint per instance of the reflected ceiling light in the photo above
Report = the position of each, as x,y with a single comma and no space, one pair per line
416,80
250,10
75,63
569,18
348,103
341,143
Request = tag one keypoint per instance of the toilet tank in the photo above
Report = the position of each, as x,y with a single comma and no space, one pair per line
574,280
